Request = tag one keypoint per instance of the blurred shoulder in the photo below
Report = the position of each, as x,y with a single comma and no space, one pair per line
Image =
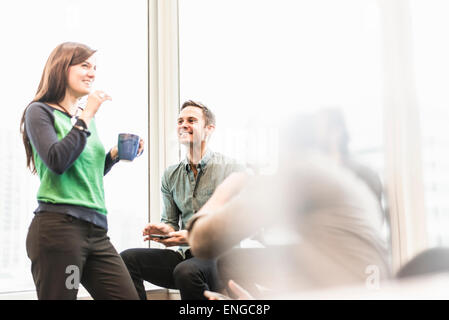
218,159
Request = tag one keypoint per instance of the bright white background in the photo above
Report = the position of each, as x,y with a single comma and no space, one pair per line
29,32
431,52
252,61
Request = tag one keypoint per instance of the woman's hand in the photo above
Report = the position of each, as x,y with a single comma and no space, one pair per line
141,147
114,150
94,101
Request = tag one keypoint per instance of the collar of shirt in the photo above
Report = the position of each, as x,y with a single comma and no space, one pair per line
203,162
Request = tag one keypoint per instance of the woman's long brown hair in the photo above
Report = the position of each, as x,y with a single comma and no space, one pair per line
53,84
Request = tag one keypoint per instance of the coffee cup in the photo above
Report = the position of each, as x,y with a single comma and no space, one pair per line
128,146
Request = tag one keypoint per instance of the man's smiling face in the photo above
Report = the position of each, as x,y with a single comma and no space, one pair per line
191,126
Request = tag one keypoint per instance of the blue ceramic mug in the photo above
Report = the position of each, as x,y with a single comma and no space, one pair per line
128,145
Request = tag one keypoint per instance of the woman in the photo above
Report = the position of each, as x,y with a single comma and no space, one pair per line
67,240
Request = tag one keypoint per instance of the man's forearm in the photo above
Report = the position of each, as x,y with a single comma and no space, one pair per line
218,229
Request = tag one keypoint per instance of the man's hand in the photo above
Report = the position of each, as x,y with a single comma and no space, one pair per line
156,228
238,291
176,238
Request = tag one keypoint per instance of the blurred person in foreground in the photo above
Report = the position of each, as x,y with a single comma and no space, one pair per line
185,188
335,214
333,140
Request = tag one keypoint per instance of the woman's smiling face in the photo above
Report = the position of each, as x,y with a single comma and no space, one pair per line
81,76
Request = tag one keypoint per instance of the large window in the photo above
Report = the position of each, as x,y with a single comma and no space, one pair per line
30,30
254,60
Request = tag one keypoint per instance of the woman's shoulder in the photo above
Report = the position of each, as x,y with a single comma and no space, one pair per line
39,107
38,111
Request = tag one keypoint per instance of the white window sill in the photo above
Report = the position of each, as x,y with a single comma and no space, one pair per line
82,293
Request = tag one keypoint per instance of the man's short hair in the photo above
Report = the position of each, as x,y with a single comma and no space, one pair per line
209,117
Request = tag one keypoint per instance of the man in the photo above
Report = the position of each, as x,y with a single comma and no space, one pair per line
186,187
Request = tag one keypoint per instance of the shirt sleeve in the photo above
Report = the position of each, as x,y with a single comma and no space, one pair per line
109,162
170,212
57,155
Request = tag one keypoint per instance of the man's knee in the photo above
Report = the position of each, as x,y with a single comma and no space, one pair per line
185,272
129,256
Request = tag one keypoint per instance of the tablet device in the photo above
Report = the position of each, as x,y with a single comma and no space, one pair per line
160,236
